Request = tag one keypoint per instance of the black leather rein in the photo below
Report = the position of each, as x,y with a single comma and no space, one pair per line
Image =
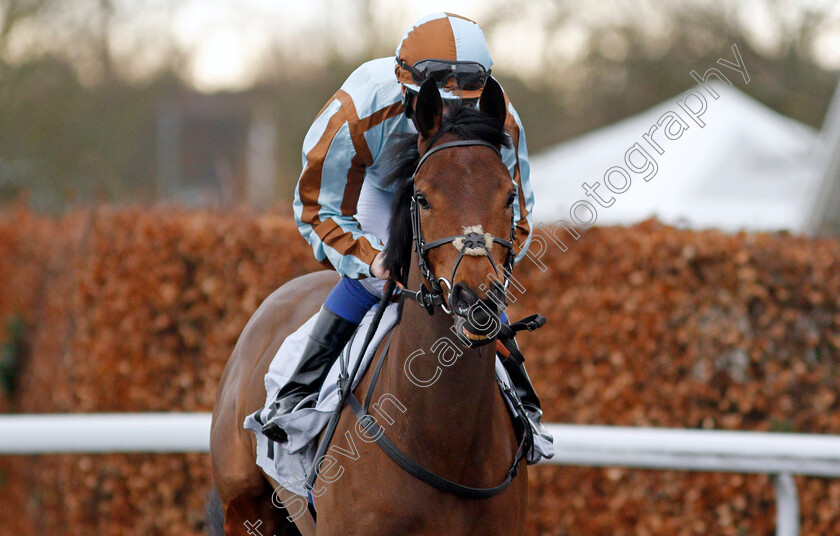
377,433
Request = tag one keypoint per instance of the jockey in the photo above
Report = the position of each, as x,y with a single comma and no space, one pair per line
342,208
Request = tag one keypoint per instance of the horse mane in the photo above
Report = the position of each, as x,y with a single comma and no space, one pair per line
462,120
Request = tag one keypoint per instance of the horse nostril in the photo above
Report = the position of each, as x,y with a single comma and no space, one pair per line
490,306
462,299
481,317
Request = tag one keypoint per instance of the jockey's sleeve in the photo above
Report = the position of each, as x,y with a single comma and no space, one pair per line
334,160
517,162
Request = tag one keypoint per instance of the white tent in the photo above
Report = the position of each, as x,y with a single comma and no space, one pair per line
746,167
826,213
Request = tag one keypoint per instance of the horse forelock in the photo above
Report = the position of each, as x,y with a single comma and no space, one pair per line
462,120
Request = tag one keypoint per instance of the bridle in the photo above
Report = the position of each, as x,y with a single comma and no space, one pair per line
471,241
429,299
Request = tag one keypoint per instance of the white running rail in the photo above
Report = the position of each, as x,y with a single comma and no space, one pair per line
104,432
781,455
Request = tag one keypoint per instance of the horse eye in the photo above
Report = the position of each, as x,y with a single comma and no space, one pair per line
422,201
511,198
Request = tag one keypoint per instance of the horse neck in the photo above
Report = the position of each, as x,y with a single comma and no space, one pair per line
456,406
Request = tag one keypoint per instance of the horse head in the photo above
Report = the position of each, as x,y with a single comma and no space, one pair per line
454,213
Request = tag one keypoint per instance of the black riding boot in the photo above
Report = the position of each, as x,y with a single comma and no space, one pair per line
524,389
328,337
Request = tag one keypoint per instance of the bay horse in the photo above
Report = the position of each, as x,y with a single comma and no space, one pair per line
453,420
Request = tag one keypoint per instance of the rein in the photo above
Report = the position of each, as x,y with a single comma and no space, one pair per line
345,382
377,433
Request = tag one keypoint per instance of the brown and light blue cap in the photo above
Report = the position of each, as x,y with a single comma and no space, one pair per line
448,47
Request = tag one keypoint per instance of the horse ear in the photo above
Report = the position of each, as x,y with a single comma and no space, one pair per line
492,101
428,109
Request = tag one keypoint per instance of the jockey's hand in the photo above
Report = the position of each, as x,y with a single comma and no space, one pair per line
377,268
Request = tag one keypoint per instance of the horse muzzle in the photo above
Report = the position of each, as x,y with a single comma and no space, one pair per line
478,320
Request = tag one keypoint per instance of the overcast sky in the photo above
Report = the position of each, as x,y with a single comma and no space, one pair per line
227,41
228,35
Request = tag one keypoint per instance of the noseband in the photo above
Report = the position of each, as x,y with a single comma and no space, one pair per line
470,243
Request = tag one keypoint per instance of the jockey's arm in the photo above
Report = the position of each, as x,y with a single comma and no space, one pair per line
328,190
517,162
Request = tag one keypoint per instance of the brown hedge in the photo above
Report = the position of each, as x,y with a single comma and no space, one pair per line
137,310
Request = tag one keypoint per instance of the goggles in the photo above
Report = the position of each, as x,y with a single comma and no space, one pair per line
468,75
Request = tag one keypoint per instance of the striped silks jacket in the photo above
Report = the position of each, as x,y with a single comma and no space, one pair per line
347,145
